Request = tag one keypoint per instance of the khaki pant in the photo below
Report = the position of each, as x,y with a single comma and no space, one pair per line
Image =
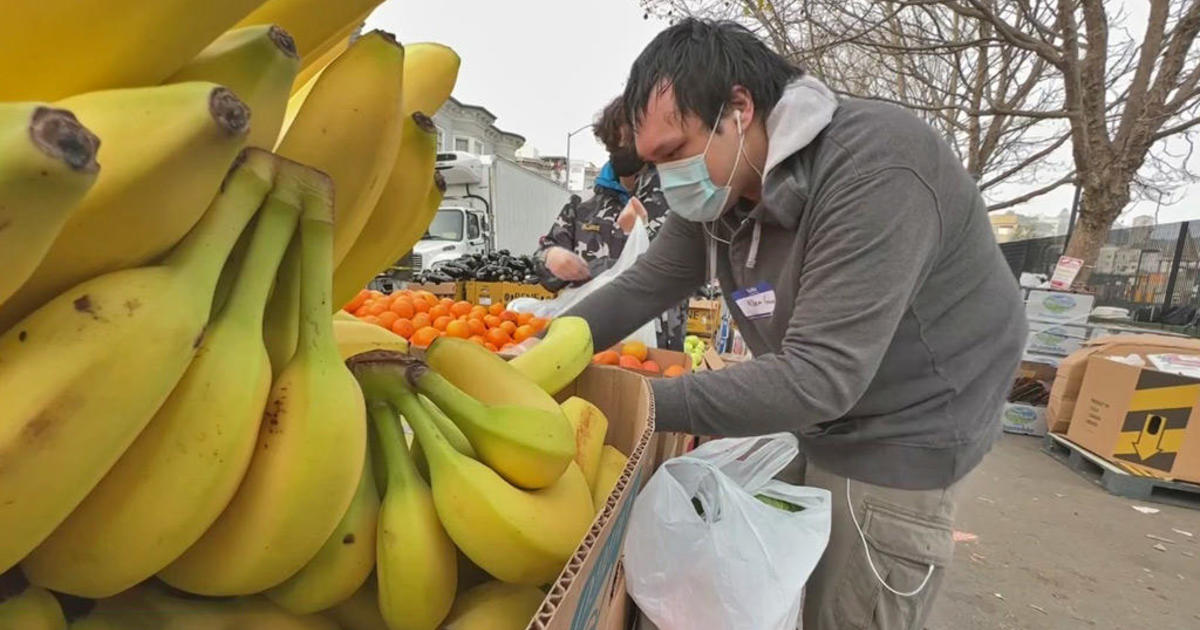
908,531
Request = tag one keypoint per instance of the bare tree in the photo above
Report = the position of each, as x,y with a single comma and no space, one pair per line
1010,83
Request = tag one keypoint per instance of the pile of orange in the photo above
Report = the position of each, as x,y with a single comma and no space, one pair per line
420,317
633,356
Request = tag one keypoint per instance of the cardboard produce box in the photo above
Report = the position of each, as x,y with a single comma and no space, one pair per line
664,359
1024,419
1059,307
704,316
452,290
1071,370
1141,416
486,293
1056,339
590,593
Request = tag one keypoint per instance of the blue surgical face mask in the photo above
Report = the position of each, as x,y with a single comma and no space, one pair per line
689,189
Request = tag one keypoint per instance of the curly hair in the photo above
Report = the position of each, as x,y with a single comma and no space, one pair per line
612,126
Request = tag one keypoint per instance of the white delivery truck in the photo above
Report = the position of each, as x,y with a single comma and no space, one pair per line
490,204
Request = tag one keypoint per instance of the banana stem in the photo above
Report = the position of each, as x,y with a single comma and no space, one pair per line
276,223
450,399
401,471
381,376
202,254
316,264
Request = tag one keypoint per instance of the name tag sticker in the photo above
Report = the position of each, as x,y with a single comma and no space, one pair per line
757,302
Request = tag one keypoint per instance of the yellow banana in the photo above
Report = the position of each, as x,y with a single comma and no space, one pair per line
558,359
495,606
449,430
518,536
357,337
360,612
612,466
81,376
528,446
166,150
349,127
345,560
27,607
259,63
281,326
311,22
590,426
434,69
47,164
153,607
485,376
396,215
183,469
56,48
416,567
310,449
323,55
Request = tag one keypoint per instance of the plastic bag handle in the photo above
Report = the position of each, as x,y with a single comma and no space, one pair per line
750,462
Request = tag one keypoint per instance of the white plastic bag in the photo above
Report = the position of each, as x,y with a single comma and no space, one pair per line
742,564
635,245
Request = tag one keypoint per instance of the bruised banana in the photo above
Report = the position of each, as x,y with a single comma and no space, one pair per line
47,164
177,477
518,536
130,336
591,426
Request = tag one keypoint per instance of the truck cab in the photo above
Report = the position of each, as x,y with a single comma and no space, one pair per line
455,231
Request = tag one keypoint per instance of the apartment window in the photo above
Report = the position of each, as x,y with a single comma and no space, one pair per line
462,144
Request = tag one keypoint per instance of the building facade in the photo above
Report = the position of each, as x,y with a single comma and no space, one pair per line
471,128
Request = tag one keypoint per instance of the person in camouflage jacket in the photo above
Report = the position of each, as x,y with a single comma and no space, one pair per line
588,236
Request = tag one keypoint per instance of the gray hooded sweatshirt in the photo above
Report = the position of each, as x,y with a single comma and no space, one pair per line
896,327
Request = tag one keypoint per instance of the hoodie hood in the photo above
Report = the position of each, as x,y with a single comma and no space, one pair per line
802,113
607,179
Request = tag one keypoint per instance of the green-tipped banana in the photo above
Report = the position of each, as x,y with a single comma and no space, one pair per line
519,536
528,446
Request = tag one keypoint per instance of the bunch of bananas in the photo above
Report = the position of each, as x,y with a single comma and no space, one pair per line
192,435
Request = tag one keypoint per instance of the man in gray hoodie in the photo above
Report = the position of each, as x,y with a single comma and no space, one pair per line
855,254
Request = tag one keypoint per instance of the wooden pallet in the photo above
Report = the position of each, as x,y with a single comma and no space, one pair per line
1117,481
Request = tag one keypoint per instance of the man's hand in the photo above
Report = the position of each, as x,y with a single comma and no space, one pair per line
566,265
630,214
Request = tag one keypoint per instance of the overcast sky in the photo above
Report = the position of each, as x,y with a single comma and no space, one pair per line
547,67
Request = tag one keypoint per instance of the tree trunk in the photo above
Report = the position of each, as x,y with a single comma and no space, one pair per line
1099,207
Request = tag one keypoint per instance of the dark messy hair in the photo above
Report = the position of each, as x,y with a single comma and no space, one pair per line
610,126
703,60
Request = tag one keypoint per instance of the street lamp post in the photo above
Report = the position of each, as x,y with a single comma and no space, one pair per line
567,173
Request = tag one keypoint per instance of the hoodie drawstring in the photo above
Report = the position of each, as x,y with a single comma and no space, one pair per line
755,239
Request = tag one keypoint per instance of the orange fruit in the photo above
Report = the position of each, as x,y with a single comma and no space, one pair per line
509,316
477,339
496,309
524,318
630,362
404,293
492,321
357,300
608,357
421,320
461,308
442,322
377,308
538,323
508,327
362,311
447,302
497,337
375,294
458,329
477,312
476,326
427,297
387,318
491,346
635,349
673,371
403,307
371,319
420,306
651,366
404,328
523,332
438,311
425,336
